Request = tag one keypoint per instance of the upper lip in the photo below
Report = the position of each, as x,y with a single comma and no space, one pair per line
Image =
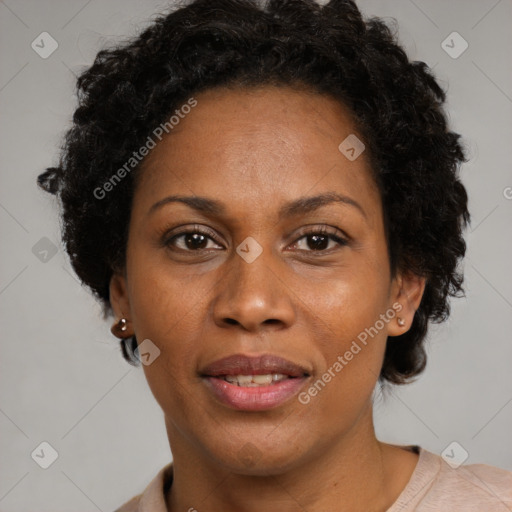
240,364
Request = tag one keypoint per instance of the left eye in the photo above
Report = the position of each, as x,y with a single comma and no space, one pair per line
319,240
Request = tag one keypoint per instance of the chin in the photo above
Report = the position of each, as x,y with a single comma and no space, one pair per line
265,465
258,456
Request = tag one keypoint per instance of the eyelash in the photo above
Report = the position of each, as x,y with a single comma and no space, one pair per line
168,241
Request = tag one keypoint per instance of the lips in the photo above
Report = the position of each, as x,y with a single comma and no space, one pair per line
244,365
254,383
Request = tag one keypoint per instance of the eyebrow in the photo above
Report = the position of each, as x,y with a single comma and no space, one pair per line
305,204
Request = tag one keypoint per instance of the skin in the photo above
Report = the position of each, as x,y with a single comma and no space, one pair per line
254,150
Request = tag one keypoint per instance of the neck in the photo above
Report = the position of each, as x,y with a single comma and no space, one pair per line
355,471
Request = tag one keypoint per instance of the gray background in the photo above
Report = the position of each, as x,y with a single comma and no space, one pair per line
62,377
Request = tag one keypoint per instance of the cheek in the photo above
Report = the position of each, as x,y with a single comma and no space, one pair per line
348,366
168,309
356,338
350,300
351,336
164,298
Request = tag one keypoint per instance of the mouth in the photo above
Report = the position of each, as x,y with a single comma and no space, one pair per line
254,383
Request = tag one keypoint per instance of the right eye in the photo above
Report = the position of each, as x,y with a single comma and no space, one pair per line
191,240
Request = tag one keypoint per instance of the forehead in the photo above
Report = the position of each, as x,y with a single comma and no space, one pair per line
257,146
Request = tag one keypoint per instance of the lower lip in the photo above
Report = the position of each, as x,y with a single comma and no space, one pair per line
258,398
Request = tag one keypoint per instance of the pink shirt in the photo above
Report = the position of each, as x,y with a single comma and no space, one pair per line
434,486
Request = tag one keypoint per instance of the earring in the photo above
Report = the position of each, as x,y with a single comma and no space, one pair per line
119,327
128,344
401,321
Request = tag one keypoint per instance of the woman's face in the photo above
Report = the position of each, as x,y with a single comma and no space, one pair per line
251,282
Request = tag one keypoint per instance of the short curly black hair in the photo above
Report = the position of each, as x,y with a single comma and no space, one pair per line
397,105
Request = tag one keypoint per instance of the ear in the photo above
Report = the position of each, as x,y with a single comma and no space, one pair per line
119,296
407,292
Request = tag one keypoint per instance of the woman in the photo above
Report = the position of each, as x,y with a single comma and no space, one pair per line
266,198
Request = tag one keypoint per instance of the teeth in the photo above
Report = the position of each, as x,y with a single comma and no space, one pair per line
262,379
252,381
243,380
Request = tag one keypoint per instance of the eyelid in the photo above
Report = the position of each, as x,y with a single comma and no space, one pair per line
199,229
322,229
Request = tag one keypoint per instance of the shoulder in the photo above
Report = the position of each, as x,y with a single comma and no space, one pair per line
473,487
130,506
479,483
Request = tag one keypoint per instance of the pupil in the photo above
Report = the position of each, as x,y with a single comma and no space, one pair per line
316,245
195,241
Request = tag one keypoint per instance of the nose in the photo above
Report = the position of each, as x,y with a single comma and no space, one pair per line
254,295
